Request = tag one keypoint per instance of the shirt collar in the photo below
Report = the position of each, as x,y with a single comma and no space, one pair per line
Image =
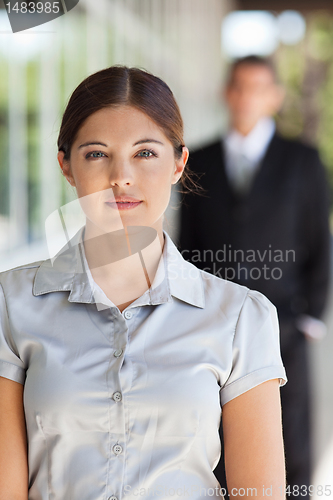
253,146
175,277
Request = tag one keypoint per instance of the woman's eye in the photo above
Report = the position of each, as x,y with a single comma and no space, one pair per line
95,154
146,153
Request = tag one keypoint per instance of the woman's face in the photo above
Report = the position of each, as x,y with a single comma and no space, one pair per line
121,155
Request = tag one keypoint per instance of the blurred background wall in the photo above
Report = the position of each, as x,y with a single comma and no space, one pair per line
188,43
41,67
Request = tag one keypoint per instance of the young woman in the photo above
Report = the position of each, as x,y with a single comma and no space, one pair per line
117,356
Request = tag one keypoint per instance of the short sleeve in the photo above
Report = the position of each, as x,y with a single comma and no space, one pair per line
11,366
256,355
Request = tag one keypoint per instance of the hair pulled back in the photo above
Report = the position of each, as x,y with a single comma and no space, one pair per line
120,85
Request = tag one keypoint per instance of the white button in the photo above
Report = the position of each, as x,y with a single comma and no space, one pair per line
117,449
118,353
113,498
117,396
128,314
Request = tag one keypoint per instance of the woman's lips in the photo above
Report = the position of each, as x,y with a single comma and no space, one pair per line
123,205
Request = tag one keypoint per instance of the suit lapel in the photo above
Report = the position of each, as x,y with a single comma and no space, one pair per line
269,169
216,181
225,179
266,177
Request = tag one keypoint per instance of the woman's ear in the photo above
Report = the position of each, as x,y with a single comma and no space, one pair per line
65,168
180,165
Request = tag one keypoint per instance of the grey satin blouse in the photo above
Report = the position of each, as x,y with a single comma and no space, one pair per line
128,405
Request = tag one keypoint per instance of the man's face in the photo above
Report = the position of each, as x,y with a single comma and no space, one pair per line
252,94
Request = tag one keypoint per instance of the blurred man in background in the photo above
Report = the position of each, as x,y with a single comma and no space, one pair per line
264,224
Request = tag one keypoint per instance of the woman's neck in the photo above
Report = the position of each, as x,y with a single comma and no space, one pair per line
124,262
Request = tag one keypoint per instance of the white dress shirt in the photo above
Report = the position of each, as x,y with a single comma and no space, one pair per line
246,152
128,404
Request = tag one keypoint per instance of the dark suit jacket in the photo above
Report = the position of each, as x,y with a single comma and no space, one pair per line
282,224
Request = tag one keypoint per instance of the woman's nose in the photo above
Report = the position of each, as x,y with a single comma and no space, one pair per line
120,174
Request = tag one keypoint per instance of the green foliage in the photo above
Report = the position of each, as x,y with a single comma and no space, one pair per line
306,71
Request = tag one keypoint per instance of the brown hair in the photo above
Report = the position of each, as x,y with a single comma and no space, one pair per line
252,60
120,85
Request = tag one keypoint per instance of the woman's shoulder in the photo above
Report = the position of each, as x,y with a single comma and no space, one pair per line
20,275
212,291
233,295
215,285
23,268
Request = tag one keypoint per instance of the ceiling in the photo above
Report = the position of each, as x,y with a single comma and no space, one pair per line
278,5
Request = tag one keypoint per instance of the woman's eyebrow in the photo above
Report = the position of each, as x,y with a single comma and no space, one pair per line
143,141
92,144
96,143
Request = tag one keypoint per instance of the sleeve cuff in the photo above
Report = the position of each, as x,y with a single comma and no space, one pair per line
12,372
238,387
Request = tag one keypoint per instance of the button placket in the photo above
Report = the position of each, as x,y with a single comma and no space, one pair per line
117,424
